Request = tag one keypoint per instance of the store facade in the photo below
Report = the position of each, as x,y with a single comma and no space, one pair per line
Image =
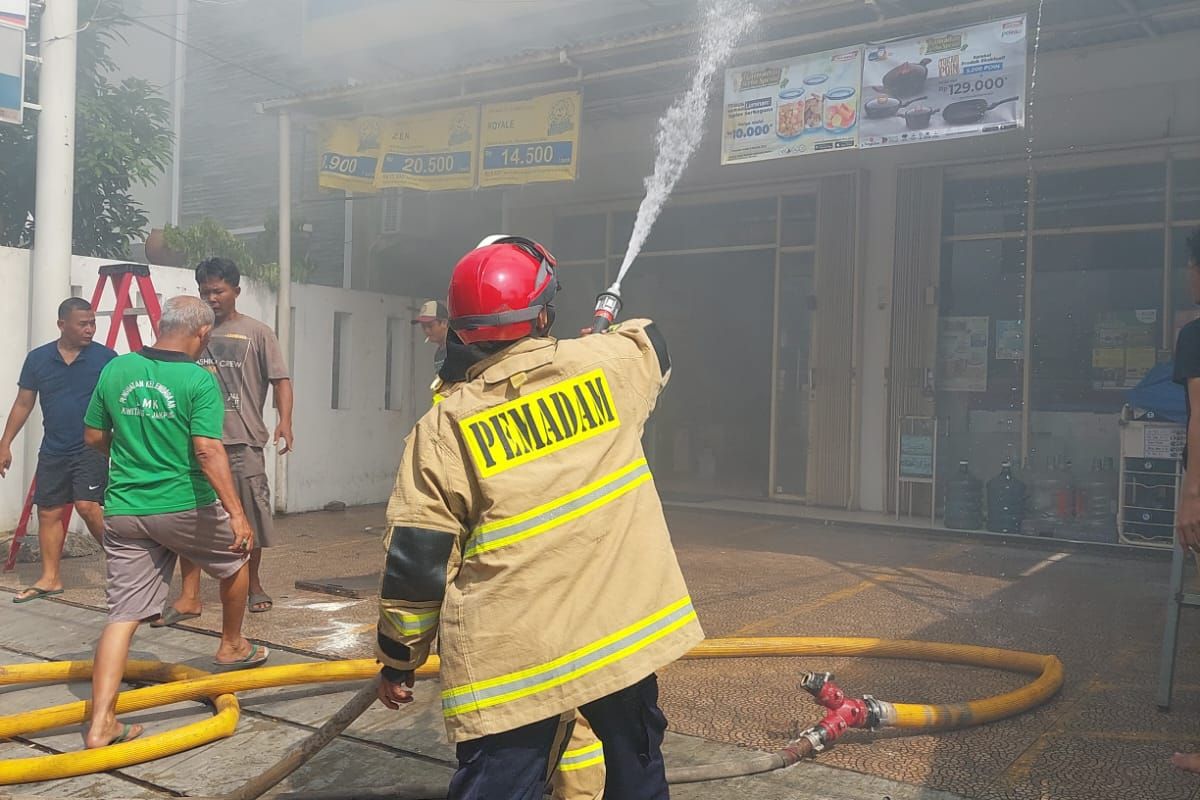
1011,286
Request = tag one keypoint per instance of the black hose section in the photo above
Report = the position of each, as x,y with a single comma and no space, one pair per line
767,762
300,754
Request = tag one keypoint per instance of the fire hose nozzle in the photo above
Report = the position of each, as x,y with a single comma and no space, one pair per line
608,306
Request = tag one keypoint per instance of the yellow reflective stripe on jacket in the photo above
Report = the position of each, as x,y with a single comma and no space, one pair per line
406,623
437,398
587,659
550,515
582,758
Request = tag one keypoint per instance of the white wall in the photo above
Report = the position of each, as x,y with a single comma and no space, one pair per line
14,310
348,454
351,454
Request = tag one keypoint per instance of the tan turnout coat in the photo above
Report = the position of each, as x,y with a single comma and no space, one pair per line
561,585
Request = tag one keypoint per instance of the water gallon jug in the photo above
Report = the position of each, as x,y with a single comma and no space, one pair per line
964,500
1042,498
1094,512
1005,501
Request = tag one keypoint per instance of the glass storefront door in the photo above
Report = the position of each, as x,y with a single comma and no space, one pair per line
793,382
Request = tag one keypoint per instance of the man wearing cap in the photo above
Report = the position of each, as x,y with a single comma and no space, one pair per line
435,323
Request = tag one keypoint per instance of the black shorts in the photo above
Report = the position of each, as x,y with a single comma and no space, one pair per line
74,478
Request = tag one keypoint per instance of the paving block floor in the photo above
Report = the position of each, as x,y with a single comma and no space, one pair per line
1100,611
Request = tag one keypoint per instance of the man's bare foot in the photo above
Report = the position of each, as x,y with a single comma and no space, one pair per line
114,733
1189,762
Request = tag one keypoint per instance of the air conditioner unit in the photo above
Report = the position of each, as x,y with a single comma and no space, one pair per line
391,211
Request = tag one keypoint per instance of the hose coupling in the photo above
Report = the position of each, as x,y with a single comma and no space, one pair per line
812,682
875,712
816,737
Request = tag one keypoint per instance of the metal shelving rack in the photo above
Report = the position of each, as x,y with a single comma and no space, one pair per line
1150,480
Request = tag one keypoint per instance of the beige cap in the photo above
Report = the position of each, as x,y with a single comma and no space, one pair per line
431,310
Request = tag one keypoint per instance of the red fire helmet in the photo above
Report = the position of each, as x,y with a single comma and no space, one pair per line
498,289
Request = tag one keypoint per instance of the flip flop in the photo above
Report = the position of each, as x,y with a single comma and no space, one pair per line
172,616
258,655
37,594
260,599
126,735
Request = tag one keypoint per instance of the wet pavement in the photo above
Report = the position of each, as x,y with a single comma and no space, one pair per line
1100,611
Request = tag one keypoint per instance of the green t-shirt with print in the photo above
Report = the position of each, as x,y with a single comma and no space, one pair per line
154,402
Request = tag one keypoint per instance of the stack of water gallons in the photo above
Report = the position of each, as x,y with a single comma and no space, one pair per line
1070,504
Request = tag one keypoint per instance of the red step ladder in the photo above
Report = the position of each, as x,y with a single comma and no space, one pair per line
122,277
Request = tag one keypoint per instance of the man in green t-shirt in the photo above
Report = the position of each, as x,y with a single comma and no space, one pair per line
159,416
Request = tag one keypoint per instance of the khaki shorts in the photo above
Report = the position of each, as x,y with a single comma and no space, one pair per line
249,470
141,554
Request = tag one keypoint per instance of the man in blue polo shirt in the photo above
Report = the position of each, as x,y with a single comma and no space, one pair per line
63,374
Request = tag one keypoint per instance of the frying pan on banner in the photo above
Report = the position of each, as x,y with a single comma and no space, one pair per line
884,106
968,112
908,79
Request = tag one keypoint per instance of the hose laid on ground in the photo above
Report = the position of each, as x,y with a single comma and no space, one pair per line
191,684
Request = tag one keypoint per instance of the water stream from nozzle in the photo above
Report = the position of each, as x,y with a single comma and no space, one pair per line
682,127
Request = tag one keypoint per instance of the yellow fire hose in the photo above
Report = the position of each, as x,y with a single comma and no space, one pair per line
181,683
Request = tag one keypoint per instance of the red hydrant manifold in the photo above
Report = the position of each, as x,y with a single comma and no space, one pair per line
844,712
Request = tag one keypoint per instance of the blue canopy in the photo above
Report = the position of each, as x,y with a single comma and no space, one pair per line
1159,396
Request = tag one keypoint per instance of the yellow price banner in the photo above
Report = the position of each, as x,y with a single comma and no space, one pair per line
530,141
430,151
349,154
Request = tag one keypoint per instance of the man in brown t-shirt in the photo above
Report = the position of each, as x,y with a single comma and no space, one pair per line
245,357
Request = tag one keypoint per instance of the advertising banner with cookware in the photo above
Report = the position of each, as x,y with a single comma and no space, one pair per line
794,106
961,83
965,82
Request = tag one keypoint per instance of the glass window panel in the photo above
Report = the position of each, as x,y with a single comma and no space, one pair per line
800,220
1097,320
696,227
711,428
1184,308
1186,175
1119,195
579,237
984,205
1082,252
982,289
576,300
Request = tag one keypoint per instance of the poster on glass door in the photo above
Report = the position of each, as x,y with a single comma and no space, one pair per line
807,104
966,82
963,354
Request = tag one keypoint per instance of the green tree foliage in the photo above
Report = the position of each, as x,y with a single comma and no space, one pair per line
257,259
122,135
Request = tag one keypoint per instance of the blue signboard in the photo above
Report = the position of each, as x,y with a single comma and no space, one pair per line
12,74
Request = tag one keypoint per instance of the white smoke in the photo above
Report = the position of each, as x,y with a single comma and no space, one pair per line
682,126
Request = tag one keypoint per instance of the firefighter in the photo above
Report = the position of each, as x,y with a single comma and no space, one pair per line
526,533
580,773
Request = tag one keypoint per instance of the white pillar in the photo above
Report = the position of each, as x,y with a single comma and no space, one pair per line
177,82
50,282
283,308
50,278
348,243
